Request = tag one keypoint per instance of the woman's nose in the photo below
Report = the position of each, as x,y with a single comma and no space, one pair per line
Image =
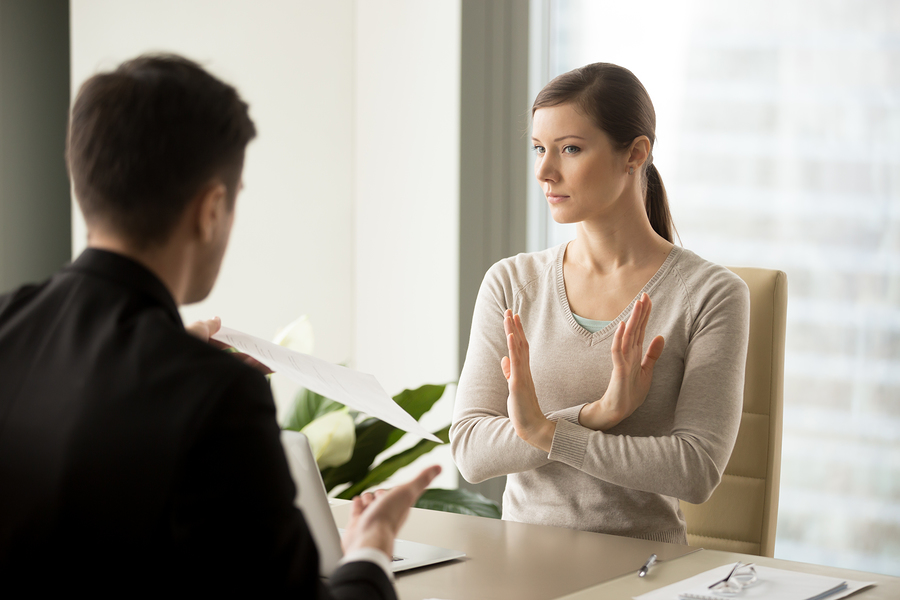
545,169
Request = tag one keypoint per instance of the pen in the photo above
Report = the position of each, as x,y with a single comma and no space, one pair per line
650,562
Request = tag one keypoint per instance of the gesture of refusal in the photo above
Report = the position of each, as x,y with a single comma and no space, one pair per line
632,371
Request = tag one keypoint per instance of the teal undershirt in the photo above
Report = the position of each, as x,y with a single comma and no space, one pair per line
590,324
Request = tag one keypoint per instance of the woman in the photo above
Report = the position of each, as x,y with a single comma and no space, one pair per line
558,391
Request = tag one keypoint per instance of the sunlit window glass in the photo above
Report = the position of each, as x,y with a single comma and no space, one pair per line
778,127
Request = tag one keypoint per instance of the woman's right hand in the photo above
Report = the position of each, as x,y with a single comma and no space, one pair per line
522,404
631,374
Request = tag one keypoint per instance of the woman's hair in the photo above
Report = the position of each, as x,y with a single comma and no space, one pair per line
619,105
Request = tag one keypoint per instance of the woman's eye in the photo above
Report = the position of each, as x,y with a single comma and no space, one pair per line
571,150
539,149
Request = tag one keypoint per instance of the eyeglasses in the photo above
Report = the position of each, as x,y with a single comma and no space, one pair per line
741,576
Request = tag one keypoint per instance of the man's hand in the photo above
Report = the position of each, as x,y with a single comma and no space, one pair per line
375,518
522,405
631,375
203,330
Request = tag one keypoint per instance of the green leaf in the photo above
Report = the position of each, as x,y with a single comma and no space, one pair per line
391,464
463,502
308,406
374,436
416,402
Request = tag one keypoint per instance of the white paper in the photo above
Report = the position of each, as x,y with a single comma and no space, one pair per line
773,584
359,391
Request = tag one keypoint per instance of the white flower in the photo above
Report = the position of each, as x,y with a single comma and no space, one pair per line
332,437
297,336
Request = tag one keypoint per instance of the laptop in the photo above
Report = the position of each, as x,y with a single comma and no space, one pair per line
312,500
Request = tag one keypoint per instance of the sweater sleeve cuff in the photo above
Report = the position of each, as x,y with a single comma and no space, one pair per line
569,443
370,555
568,414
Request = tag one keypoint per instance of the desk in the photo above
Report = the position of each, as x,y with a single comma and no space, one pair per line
506,560
534,562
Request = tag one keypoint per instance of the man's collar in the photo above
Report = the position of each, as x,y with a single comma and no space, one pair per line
129,273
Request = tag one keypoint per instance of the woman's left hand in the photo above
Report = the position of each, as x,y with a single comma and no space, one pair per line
522,405
632,371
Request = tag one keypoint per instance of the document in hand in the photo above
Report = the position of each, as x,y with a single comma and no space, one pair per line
359,391
772,584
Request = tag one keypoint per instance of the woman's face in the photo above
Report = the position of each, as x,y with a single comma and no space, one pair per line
580,171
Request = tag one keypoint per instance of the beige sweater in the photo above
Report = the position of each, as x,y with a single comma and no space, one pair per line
627,480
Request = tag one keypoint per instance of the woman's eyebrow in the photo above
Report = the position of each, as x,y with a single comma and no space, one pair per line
577,137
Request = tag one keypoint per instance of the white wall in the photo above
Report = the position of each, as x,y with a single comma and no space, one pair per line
291,250
350,206
407,200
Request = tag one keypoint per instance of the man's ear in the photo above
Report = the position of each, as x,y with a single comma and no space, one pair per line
638,152
211,210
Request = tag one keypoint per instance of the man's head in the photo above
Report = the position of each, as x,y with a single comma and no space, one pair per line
146,139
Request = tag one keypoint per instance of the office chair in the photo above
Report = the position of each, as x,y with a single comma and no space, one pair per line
741,514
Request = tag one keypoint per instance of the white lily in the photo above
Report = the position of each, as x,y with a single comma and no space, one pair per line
332,438
297,336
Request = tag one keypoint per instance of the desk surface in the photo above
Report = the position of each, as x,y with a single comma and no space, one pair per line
513,560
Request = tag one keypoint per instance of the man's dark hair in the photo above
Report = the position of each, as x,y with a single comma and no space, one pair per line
144,139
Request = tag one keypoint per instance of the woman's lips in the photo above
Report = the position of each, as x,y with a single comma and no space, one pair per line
556,198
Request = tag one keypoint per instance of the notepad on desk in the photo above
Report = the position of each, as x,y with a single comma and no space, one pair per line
772,584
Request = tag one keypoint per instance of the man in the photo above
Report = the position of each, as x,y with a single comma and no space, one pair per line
135,458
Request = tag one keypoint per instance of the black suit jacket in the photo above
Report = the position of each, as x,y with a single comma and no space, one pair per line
135,458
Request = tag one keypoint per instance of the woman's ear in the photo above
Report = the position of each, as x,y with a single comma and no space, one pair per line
638,152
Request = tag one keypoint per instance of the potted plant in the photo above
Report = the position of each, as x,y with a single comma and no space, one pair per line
347,443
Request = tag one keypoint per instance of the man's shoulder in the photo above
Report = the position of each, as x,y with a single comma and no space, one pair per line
80,324
13,298
178,356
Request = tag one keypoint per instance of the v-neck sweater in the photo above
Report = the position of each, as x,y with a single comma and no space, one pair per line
626,480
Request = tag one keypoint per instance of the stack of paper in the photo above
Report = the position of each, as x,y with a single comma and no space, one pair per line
772,584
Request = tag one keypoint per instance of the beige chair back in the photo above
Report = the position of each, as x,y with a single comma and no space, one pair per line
741,514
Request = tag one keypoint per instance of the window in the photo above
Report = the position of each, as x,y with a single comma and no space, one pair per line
778,127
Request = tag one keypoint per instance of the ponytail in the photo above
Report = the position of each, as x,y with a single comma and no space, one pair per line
657,203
